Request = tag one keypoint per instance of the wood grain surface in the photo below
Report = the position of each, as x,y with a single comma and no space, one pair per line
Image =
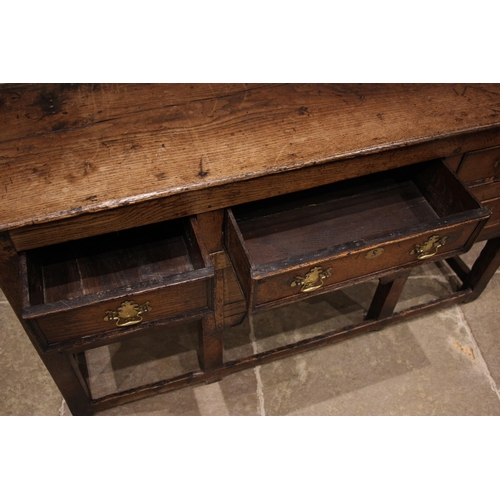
67,150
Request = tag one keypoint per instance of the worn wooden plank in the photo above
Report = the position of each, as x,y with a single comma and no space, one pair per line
206,142
48,108
77,224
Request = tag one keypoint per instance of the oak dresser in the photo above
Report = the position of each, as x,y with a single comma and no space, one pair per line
125,206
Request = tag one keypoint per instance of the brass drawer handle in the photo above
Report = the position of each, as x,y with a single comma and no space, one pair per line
430,247
312,280
129,313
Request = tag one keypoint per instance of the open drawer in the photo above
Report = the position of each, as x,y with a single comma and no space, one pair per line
317,240
116,282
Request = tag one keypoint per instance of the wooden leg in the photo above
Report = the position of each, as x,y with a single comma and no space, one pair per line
459,267
210,353
82,366
64,370
386,296
9,273
483,269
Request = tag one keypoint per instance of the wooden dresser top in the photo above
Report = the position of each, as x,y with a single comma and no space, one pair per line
71,149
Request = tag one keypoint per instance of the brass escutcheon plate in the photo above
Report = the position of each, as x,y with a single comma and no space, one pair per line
372,254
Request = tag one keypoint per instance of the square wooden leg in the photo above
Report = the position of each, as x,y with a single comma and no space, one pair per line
64,369
386,296
483,269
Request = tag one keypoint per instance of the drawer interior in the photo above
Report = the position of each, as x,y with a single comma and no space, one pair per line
374,207
119,260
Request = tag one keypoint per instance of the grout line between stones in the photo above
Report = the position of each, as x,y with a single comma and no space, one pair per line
479,354
260,387
427,276
61,410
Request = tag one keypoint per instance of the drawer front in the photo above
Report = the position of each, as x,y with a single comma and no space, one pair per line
489,195
494,207
489,232
487,191
122,315
479,165
289,285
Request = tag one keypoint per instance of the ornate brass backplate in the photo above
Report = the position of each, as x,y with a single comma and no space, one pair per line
129,313
312,280
430,247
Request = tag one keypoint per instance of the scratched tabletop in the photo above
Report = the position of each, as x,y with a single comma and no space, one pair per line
68,149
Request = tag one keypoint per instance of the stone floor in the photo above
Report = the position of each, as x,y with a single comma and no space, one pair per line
446,363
